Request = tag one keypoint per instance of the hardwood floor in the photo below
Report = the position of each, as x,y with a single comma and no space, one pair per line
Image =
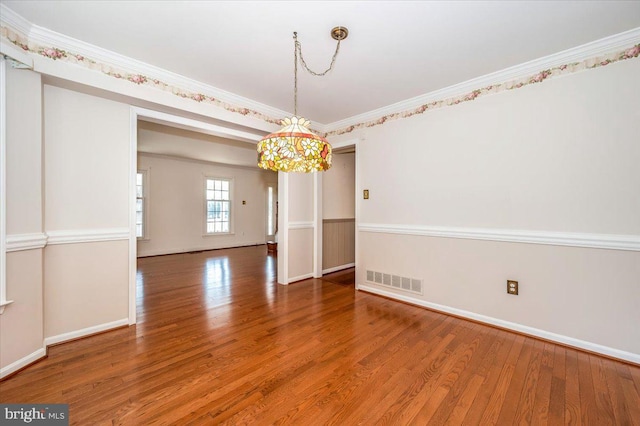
218,341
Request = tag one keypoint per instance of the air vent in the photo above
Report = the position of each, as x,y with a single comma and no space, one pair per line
411,285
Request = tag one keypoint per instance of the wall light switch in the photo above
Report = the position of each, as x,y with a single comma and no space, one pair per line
365,194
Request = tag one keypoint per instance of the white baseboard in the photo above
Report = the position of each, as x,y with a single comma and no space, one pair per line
565,340
162,252
338,268
22,362
300,278
85,332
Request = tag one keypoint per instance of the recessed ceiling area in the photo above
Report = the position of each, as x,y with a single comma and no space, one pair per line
395,50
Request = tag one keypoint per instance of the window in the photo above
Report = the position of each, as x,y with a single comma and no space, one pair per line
140,204
218,205
271,212
270,230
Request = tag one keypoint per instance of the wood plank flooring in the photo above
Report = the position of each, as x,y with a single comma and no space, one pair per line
219,342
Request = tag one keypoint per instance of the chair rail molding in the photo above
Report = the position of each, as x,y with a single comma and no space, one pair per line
570,239
87,235
19,242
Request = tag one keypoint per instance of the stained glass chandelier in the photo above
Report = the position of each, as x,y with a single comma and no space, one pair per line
294,148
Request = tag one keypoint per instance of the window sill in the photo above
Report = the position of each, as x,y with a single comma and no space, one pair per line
143,239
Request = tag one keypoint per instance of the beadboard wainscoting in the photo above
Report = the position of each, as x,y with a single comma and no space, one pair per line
338,244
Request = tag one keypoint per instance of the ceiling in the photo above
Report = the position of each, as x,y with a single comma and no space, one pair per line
395,50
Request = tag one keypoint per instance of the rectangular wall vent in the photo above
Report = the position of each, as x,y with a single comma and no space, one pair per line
411,285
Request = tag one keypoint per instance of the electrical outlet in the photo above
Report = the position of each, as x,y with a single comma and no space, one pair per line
512,287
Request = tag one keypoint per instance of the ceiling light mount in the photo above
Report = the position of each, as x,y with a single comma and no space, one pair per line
339,33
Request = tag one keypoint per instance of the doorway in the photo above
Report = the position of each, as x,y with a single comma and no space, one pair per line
339,211
171,187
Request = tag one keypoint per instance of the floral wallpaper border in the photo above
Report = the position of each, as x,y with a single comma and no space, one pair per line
632,52
55,53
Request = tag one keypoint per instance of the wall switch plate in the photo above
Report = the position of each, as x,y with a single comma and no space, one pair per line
512,287
365,194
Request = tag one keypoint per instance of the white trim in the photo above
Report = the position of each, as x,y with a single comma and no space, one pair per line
14,20
44,36
75,236
19,242
145,204
570,341
300,278
133,239
251,167
338,268
283,228
575,54
343,144
47,37
601,241
358,206
317,224
300,225
23,362
3,185
194,125
65,337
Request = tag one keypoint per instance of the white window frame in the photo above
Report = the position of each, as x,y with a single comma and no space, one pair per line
271,211
145,204
204,206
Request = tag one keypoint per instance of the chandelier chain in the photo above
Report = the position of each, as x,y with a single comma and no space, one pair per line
297,50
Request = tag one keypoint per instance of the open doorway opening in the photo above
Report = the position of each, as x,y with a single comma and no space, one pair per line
195,187
339,212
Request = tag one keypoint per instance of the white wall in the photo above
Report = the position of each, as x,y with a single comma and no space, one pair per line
560,156
296,246
86,141
21,324
176,204
338,188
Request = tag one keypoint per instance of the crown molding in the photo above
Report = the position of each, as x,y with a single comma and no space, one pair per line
14,20
43,36
575,54
105,59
